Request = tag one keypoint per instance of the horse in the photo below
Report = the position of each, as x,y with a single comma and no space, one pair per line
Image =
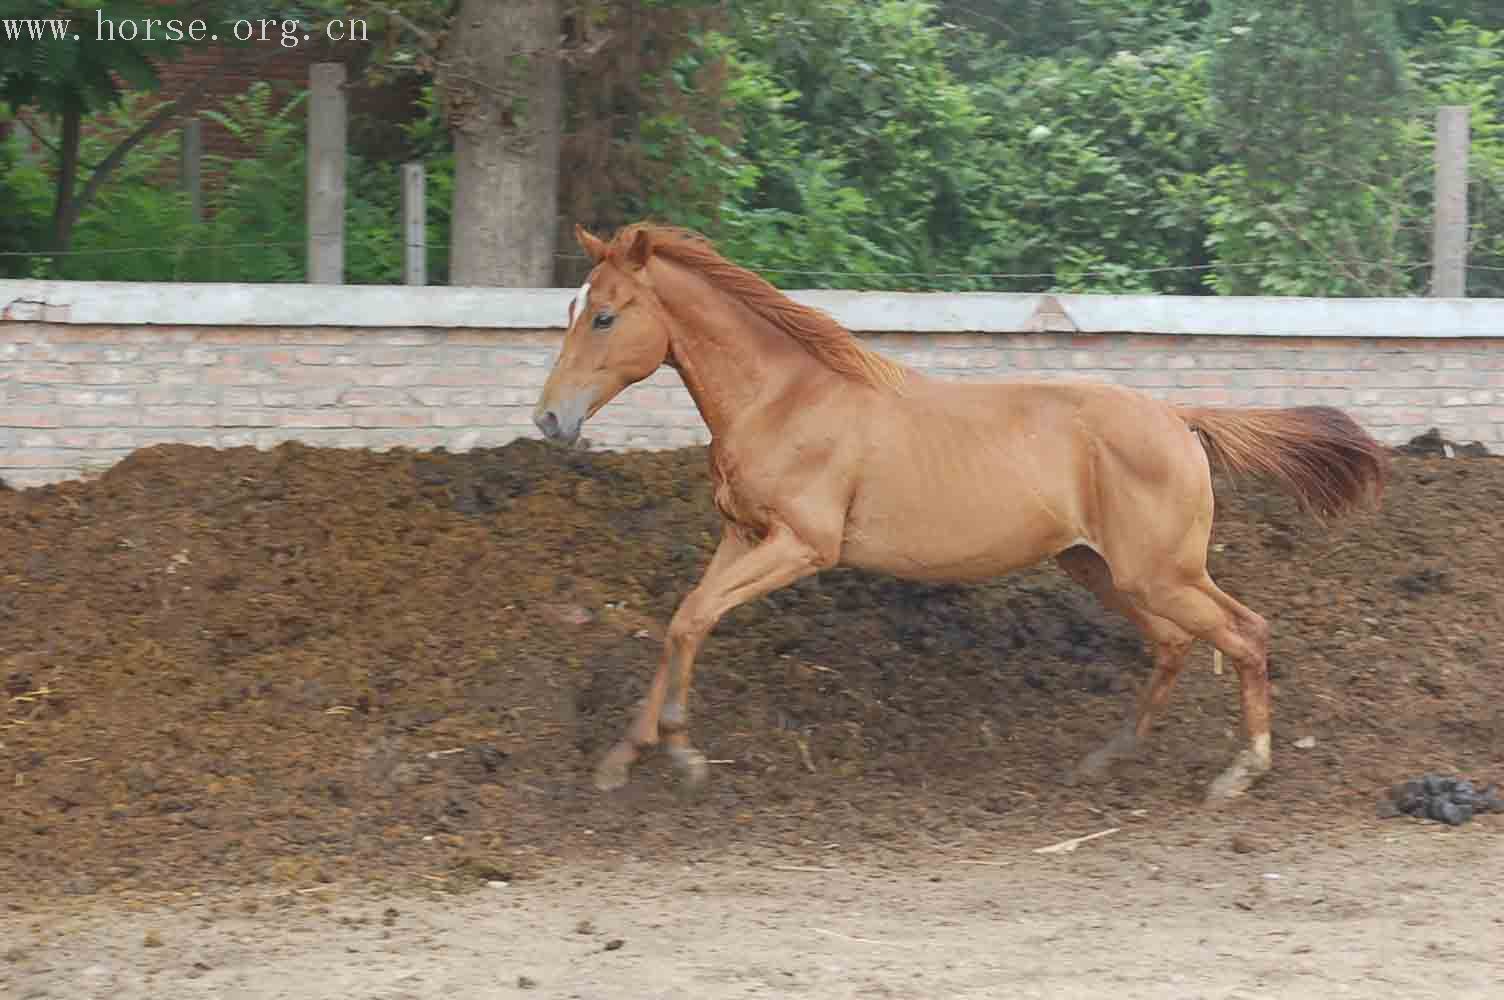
825,452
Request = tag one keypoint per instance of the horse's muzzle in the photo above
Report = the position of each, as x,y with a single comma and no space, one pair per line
548,422
561,422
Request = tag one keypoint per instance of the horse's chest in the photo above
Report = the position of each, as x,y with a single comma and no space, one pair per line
733,498
734,505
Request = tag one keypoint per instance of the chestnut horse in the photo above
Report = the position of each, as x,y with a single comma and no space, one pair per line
826,453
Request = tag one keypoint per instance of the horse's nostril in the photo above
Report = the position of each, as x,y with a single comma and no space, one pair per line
548,423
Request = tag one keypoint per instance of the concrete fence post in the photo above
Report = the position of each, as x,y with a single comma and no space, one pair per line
414,226
191,167
1449,236
326,174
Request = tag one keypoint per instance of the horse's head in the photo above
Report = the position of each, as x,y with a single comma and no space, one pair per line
618,335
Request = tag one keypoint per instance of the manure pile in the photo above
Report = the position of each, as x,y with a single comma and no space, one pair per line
310,665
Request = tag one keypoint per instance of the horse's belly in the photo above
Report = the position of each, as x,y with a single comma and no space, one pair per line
953,541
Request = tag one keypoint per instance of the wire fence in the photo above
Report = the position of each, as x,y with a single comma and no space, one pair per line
862,280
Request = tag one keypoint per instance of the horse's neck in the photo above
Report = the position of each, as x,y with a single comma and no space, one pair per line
731,361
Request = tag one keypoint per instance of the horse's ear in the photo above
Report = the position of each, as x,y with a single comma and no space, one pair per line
639,250
594,247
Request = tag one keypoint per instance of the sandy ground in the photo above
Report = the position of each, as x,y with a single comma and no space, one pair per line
1401,909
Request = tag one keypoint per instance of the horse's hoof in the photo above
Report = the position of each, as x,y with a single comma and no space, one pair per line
611,772
691,767
609,777
1093,769
1235,782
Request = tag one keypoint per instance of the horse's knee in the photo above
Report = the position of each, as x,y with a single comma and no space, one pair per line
686,630
688,626
1257,630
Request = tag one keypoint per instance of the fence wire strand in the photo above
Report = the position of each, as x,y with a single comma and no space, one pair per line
871,277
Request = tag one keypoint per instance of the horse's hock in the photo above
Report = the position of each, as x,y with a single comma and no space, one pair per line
94,371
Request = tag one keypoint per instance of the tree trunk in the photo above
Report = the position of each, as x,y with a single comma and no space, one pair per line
64,211
502,84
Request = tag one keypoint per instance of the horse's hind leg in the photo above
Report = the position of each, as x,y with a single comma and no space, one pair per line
1201,608
1168,644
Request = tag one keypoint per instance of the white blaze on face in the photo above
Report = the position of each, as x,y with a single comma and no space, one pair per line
580,302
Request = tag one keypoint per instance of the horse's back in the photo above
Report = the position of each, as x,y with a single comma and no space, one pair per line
964,480
1136,471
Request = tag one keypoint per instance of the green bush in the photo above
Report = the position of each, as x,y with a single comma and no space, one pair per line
140,228
873,144
25,194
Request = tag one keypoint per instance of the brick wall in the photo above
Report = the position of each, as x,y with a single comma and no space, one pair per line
76,398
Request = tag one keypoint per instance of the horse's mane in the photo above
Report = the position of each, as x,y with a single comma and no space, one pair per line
830,342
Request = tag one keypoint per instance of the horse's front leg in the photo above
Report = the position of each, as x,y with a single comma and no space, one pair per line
611,772
740,571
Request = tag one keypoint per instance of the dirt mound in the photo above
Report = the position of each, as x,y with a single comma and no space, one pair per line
308,665
1433,443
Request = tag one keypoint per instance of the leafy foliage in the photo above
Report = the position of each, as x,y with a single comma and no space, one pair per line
1463,64
1340,201
1095,29
1080,145
854,123
56,76
1100,170
1299,81
255,227
76,64
878,140
24,192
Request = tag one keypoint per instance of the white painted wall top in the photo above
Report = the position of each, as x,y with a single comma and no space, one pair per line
303,305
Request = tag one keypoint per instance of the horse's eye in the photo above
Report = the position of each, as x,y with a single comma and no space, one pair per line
603,321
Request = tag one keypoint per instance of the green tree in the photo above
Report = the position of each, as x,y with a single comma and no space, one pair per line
77,71
1098,171
1064,28
1297,81
547,107
1309,98
854,123
1419,18
23,221
1462,63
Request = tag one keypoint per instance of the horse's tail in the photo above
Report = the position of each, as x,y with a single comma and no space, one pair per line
1320,454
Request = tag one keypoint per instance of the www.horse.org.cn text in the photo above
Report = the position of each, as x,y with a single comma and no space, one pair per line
286,32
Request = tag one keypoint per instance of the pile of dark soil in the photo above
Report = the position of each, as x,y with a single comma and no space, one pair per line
1432,442
308,665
